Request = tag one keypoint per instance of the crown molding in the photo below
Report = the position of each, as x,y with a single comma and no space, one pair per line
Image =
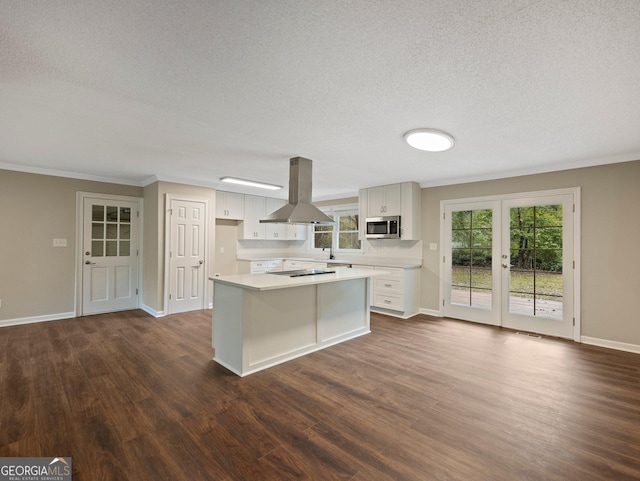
69,175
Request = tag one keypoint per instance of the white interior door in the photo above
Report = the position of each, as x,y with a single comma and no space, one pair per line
187,272
510,262
110,255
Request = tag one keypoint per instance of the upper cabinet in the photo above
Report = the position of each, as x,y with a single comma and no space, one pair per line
384,200
229,205
395,199
256,208
275,231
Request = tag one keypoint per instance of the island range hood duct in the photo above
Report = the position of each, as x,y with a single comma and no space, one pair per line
299,209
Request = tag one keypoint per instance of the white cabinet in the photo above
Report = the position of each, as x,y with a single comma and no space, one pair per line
397,291
254,210
275,231
259,267
388,291
229,205
395,199
292,265
296,231
384,200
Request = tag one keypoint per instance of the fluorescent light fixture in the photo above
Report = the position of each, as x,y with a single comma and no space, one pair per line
250,183
431,140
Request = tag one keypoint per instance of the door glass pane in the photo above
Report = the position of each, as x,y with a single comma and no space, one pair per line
125,214
125,231
461,238
112,248
112,231
535,276
125,248
97,231
97,213
112,214
97,248
471,257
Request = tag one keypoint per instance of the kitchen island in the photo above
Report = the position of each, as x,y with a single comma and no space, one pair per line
260,320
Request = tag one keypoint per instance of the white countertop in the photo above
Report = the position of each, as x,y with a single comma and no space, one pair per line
265,282
355,260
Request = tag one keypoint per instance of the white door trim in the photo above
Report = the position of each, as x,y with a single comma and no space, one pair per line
80,197
167,243
577,228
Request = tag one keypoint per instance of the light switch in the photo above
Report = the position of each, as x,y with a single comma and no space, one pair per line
221,250
59,242
433,246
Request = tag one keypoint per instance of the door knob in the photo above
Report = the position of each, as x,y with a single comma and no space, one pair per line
201,262
90,263
505,266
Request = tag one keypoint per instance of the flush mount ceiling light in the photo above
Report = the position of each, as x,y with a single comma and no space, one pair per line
250,183
431,140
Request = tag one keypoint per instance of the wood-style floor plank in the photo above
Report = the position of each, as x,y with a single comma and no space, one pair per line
130,397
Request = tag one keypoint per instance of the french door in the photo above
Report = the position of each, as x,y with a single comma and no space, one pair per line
510,262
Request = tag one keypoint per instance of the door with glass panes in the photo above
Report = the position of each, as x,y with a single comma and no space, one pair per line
510,262
110,250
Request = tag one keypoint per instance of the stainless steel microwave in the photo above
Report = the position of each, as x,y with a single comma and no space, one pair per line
387,227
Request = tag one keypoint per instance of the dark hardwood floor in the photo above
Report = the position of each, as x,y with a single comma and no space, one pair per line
130,397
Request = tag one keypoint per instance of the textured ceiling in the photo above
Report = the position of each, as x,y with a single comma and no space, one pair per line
192,91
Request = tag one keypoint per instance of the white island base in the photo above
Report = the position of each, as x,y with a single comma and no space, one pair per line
258,327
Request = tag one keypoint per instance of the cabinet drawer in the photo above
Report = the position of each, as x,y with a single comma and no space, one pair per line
389,284
392,272
389,301
291,265
274,265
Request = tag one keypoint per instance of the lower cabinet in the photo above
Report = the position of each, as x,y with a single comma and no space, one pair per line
259,267
293,265
396,292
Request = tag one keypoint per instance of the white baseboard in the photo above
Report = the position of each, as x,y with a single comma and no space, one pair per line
31,320
431,312
619,346
153,312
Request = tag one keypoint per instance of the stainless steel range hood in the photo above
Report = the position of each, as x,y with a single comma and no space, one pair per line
299,210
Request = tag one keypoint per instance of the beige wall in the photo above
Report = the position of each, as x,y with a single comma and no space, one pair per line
154,234
37,279
610,236
151,291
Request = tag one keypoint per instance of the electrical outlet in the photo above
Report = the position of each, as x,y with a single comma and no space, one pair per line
59,242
